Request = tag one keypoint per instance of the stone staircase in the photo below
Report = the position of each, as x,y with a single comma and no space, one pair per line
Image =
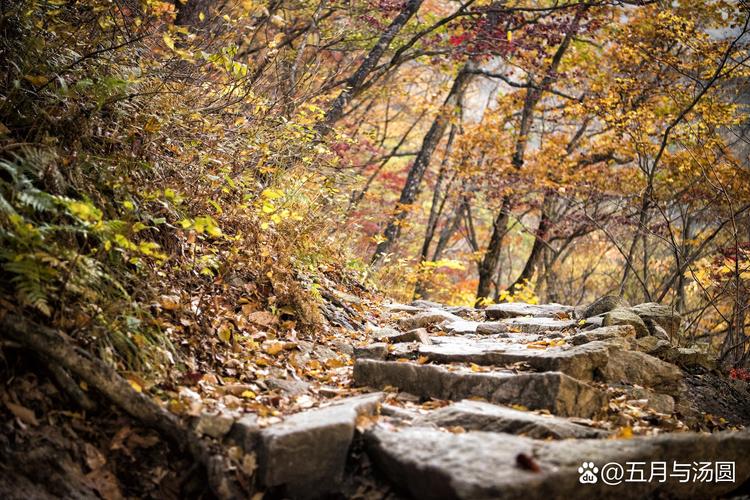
518,397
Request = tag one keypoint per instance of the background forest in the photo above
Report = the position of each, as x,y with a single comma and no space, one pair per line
462,152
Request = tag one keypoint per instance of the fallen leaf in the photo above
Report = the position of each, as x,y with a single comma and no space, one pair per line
36,80
105,483
262,318
137,441
274,348
94,458
364,422
22,413
169,302
119,439
625,432
527,462
168,41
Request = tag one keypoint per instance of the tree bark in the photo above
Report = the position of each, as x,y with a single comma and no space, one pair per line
55,349
50,344
534,93
354,82
536,250
416,172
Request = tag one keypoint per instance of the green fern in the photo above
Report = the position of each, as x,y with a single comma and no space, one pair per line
31,277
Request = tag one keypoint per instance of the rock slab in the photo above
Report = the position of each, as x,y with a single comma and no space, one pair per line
514,309
480,416
553,391
304,456
430,464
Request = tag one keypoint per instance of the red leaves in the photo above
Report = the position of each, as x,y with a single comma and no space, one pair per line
739,374
457,40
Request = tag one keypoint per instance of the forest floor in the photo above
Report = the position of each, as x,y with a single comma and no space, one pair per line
397,400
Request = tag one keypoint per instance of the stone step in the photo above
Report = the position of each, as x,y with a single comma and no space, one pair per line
607,360
526,325
553,391
428,318
461,327
514,309
480,416
305,455
579,362
429,463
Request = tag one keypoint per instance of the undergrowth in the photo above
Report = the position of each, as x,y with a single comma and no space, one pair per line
140,174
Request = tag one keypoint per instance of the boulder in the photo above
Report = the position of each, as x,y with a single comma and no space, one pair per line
428,463
637,368
661,403
514,309
399,413
461,327
288,386
493,328
606,333
656,330
553,391
652,345
416,335
626,317
304,456
688,357
463,311
664,316
480,416
379,332
592,322
396,307
602,305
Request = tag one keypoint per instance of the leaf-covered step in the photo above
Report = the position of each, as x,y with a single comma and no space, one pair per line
480,416
553,391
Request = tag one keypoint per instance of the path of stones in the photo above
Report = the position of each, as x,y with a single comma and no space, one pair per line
533,389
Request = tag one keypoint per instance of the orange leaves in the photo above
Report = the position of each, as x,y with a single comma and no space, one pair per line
545,343
273,348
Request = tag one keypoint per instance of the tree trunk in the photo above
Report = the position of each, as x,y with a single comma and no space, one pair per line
416,172
354,82
536,250
533,95
492,255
